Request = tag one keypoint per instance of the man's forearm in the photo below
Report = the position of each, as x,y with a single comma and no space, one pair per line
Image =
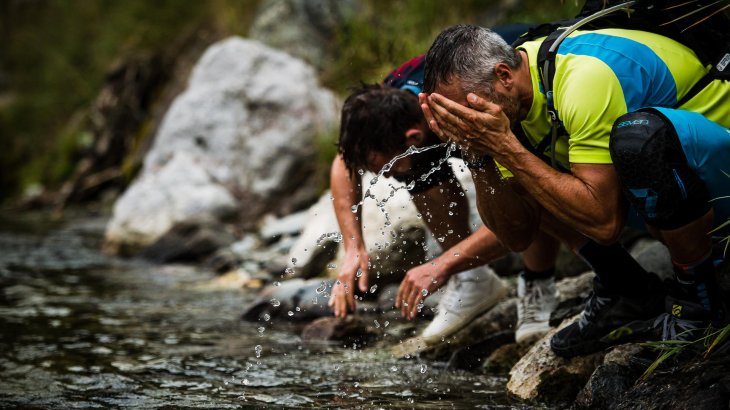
478,249
587,200
346,192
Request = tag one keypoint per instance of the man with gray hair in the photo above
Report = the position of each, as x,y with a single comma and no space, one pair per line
487,97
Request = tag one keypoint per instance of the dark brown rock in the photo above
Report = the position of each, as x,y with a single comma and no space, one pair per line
351,329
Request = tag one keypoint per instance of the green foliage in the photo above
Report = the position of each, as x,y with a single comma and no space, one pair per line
384,34
56,53
55,56
668,348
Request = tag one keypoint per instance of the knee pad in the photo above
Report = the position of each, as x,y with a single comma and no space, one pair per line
654,172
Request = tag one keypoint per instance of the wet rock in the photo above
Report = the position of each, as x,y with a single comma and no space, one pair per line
696,384
303,28
293,300
610,380
239,139
351,329
503,358
473,356
188,242
540,375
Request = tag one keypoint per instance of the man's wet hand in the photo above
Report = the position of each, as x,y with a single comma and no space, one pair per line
354,268
481,127
417,285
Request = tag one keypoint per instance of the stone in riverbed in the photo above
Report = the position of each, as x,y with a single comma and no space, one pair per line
351,329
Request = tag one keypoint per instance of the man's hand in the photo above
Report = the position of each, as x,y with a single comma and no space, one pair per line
343,291
428,277
482,127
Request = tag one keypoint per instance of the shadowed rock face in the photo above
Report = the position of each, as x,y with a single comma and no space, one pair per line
303,28
238,142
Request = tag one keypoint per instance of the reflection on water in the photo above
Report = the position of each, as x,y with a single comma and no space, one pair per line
80,330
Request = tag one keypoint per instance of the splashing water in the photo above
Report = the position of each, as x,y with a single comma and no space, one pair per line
387,167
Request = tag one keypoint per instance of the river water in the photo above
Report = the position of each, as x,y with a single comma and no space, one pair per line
83,330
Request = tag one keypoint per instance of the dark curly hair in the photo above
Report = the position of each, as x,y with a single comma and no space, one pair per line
374,119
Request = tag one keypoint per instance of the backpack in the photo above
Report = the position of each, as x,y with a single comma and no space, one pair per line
701,25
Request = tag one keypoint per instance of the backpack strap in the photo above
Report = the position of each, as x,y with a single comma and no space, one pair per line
719,71
546,67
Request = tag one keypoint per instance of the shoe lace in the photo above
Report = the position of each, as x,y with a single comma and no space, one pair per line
529,305
674,328
593,306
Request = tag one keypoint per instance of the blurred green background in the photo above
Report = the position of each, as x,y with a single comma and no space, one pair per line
56,54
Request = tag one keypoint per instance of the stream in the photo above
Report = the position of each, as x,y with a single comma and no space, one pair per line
84,330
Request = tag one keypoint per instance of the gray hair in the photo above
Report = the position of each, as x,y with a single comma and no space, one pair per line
469,53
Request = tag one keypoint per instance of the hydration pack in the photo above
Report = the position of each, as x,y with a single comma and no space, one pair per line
701,25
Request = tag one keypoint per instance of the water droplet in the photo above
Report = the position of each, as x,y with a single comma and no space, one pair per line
261,329
321,288
298,309
386,324
393,369
419,216
258,350
377,324
289,271
277,283
424,368
358,273
457,254
331,266
266,317
360,172
441,239
373,288
290,313
424,292
275,303
293,261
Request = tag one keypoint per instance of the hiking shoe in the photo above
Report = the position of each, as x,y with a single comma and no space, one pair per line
465,297
608,319
537,300
685,320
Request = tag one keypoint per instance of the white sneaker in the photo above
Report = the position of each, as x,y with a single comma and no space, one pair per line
467,295
537,299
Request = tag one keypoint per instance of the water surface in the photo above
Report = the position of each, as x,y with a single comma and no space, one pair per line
83,330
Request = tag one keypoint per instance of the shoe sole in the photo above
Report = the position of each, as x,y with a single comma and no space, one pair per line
531,336
480,309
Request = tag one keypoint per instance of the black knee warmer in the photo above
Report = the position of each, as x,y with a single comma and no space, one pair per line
653,170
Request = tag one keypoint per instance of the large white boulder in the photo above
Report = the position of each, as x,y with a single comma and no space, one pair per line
244,132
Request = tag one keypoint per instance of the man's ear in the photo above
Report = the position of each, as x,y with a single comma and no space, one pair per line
504,75
414,136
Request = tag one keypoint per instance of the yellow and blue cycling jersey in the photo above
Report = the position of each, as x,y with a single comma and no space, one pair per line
603,74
